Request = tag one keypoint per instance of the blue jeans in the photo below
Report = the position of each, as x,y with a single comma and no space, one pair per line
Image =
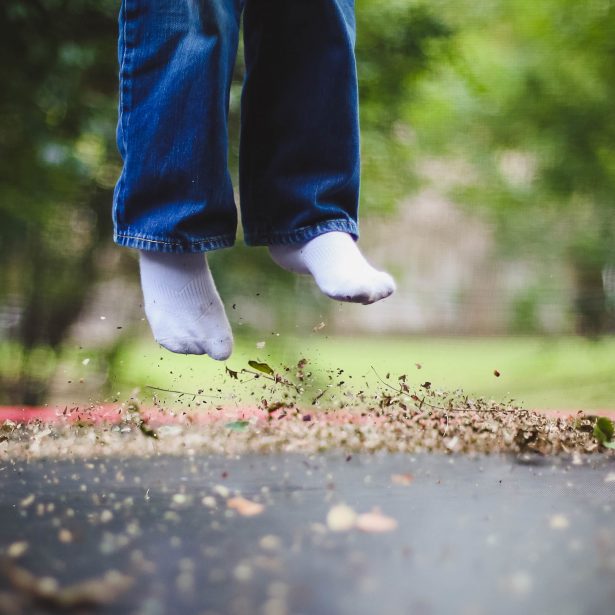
299,151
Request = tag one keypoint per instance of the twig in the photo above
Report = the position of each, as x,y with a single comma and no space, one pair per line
386,384
148,386
276,379
318,396
400,391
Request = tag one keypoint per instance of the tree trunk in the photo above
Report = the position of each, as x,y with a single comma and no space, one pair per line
590,298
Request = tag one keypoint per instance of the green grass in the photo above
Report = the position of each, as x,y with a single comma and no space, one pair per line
561,373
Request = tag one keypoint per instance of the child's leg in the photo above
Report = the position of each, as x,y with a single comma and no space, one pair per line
300,162
174,199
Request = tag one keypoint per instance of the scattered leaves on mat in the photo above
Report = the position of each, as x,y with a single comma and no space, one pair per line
398,414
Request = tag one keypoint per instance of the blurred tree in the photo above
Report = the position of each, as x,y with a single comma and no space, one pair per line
59,161
395,40
526,93
57,124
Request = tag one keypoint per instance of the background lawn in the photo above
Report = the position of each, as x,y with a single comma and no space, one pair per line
554,373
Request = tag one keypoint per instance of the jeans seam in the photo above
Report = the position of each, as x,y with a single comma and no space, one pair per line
269,237
215,239
122,73
125,96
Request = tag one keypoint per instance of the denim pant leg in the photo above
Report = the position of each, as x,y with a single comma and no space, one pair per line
176,62
299,157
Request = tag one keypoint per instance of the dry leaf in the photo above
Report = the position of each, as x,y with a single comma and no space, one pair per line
452,444
222,491
106,516
91,592
402,479
559,522
270,542
65,536
519,583
375,522
209,501
243,571
244,507
180,499
17,549
27,501
341,518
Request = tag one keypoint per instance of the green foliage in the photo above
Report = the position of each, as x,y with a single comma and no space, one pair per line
524,313
526,94
57,124
561,373
59,159
522,93
394,44
604,432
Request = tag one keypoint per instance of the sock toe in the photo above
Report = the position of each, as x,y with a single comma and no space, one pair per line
383,285
219,349
357,293
182,346
338,267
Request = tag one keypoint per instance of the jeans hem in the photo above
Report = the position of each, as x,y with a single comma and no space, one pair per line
301,235
174,247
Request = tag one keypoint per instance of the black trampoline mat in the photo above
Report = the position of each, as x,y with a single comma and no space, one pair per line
474,536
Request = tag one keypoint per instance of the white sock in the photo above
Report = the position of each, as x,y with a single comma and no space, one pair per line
183,306
338,267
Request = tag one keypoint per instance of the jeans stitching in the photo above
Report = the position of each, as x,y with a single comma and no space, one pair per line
129,52
122,73
125,95
267,237
215,239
